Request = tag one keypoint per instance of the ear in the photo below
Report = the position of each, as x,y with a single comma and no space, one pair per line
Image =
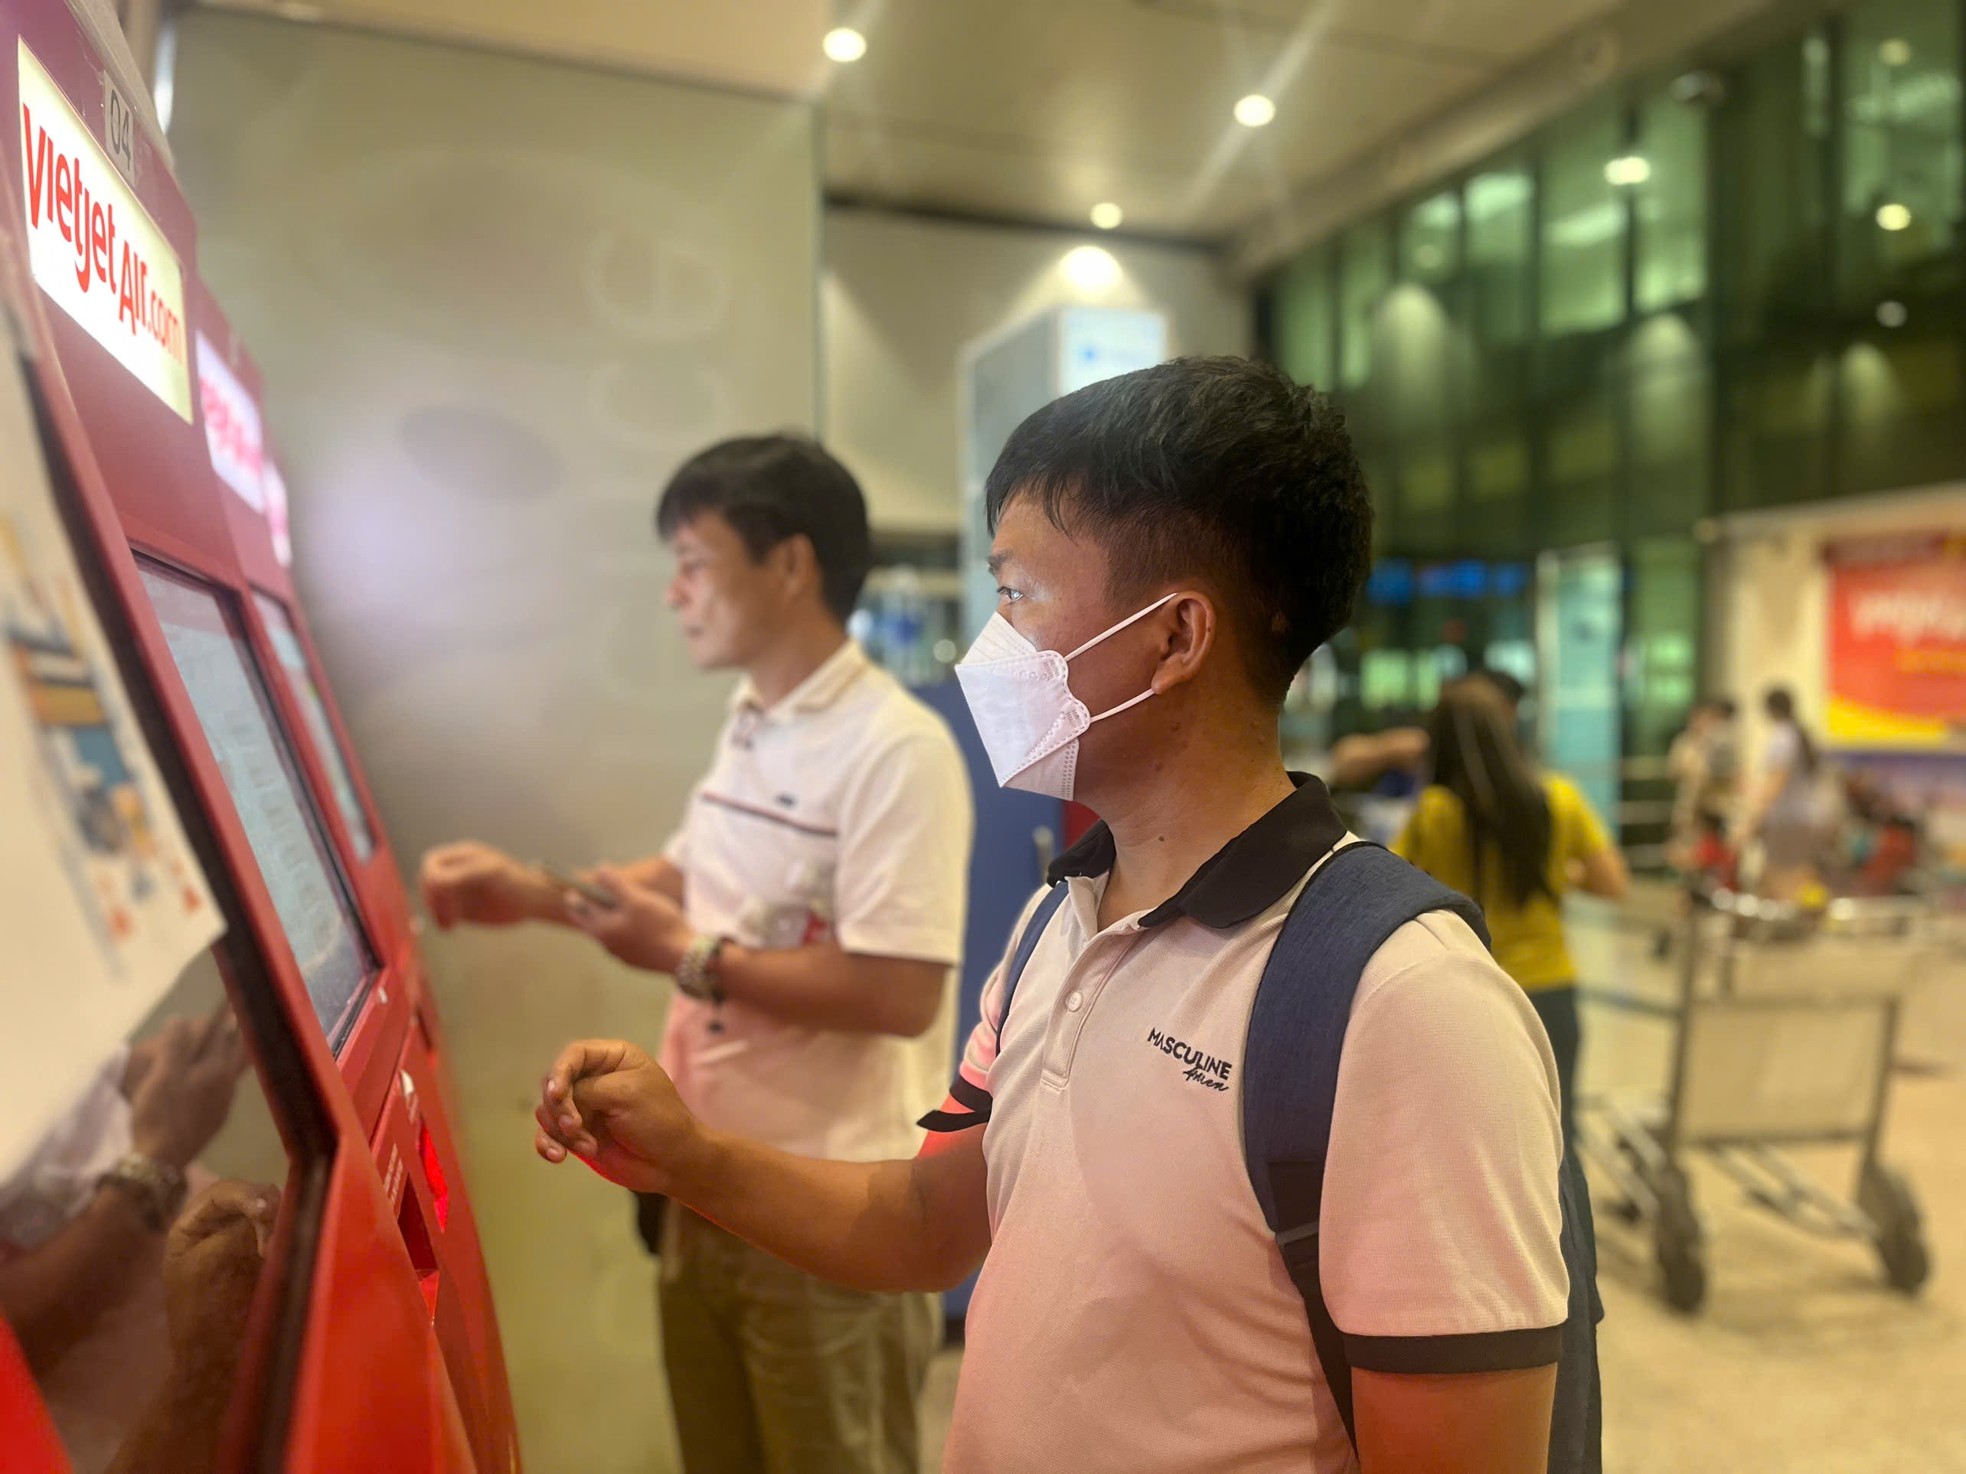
1191,623
795,564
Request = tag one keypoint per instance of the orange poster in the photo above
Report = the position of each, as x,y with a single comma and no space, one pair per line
1897,643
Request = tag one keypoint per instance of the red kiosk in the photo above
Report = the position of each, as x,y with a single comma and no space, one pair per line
374,1344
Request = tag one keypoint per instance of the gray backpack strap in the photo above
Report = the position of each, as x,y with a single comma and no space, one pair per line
1027,943
1357,899
1348,910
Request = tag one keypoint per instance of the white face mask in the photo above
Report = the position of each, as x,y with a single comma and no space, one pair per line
1025,712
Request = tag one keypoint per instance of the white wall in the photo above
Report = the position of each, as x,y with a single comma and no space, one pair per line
1768,596
496,302
900,298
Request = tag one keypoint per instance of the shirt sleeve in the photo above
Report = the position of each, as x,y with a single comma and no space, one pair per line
1579,832
970,1097
1441,1226
901,885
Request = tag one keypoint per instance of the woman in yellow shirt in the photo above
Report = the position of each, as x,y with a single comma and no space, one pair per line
1514,840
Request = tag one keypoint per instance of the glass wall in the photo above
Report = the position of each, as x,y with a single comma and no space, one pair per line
1735,287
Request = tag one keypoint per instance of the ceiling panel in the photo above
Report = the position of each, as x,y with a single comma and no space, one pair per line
769,45
1036,107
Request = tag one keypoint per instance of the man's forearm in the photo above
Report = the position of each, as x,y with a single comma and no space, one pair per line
52,1295
823,987
867,1225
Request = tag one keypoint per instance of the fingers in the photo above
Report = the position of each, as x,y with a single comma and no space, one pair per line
577,1061
560,1133
223,1204
175,1044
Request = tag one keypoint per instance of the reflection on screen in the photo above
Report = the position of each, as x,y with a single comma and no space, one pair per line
265,785
286,644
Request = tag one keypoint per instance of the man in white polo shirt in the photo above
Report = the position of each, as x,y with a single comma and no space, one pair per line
810,907
1171,546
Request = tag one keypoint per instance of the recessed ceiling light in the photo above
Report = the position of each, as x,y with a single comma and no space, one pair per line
1893,216
844,44
1892,314
1090,268
1255,110
1895,52
1628,169
1107,215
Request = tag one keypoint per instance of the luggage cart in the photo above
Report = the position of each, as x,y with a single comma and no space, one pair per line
1785,1021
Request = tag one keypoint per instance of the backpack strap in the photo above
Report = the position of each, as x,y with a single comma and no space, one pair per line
1027,943
1357,898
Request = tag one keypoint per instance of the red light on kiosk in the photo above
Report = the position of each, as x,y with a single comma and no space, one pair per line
433,1173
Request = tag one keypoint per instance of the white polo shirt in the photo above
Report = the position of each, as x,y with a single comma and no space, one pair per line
1134,1314
841,811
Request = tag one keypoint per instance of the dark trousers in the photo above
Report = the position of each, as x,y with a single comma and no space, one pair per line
1557,1008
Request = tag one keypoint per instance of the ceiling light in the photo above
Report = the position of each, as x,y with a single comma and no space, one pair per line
844,44
1107,215
1895,52
1628,169
1893,216
1891,314
1090,268
1255,110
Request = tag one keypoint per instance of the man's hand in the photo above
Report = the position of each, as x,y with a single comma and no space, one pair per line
212,1261
613,1107
471,882
181,1085
644,928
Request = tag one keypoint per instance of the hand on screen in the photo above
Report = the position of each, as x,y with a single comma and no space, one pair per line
180,1085
644,928
612,1106
471,882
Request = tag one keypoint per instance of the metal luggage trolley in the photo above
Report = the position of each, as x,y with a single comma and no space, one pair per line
1785,1022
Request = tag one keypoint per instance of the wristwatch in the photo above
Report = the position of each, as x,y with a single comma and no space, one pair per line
696,972
156,1187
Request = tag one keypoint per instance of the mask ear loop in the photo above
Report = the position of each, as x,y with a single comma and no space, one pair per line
1130,619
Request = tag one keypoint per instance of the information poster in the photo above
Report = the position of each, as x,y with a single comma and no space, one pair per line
1897,643
101,901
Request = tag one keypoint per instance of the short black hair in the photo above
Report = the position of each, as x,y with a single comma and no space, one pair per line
769,488
1221,469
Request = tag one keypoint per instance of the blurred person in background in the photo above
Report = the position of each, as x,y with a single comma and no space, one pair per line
1395,758
1514,841
83,1225
1794,810
1705,765
810,908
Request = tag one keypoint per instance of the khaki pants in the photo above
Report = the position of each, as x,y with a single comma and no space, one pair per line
774,1372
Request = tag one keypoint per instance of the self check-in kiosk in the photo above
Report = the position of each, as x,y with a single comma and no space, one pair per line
373,1343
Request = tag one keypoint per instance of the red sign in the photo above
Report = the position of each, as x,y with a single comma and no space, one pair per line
1897,642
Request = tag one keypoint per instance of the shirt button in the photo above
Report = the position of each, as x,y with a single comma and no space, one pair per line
1073,1003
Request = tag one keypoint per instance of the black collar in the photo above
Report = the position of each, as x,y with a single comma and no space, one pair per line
1247,876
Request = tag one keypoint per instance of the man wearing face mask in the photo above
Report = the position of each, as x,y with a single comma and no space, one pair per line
810,908
1171,545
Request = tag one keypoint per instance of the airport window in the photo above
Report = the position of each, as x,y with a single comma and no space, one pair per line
1901,192
1587,171
1364,274
1668,387
1430,241
1304,318
1670,202
1501,214
1771,149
